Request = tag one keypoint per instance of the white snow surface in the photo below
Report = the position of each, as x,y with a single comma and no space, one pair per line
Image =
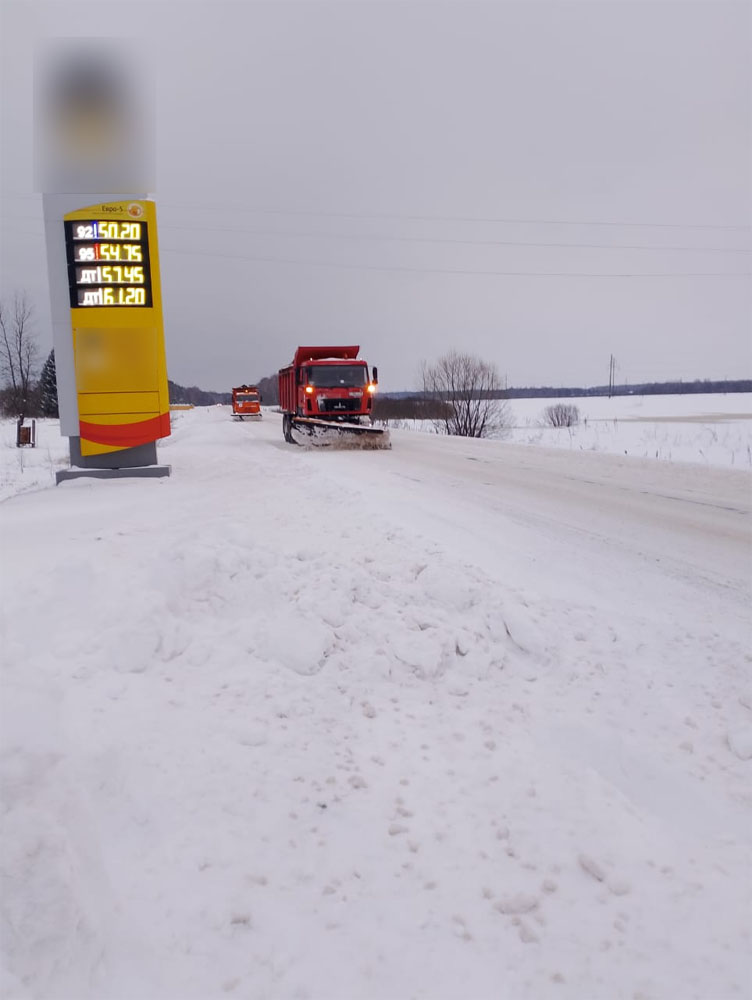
463,719
704,429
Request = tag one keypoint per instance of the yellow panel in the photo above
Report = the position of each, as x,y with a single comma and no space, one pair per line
121,419
140,404
92,448
116,360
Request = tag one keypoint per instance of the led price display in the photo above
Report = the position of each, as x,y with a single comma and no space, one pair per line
130,252
108,263
110,275
111,297
108,229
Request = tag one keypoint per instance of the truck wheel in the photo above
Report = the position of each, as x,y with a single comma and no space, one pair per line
287,428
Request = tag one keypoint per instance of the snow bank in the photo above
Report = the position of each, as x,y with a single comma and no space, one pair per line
269,731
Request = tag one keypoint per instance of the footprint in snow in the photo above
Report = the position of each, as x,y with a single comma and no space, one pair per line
740,742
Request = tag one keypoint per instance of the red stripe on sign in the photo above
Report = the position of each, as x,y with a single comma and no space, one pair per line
127,435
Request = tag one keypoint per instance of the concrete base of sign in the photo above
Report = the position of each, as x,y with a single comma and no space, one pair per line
139,462
144,471
141,455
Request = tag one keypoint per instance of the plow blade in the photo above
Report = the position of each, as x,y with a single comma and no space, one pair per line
309,431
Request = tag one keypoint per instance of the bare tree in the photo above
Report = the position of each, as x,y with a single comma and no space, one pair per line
472,389
18,354
561,415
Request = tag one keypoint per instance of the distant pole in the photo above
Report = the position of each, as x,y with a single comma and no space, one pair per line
611,375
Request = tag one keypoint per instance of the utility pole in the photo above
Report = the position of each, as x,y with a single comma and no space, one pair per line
611,376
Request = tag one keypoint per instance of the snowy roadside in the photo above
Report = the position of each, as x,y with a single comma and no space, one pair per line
714,430
262,738
711,430
25,469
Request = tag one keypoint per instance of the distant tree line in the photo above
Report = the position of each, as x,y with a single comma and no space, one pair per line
677,388
269,389
203,397
432,403
411,407
195,396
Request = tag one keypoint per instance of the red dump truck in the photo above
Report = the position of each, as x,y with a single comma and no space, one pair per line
326,395
246,402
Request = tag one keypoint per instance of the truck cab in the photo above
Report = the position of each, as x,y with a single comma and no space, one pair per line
335,389
246,402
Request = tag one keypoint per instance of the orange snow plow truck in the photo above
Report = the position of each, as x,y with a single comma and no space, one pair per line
246,402
326,397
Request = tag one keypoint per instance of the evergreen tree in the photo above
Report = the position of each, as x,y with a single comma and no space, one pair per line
48,388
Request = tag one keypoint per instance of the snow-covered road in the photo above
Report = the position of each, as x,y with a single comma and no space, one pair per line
458,720
694,522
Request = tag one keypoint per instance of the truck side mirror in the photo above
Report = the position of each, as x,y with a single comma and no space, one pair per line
375,375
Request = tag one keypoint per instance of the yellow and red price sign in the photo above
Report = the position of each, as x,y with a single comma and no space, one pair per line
118,332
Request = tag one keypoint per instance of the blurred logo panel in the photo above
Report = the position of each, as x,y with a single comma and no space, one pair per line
93,116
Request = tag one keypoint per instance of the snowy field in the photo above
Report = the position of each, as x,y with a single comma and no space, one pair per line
462,720
704,429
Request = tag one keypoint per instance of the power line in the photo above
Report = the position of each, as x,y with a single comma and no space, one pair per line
376,238
457,218
437,240
460,271
416,217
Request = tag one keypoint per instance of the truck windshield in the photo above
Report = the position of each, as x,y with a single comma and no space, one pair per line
335,376
246,397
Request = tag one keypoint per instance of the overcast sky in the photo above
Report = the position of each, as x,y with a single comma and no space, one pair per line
542,184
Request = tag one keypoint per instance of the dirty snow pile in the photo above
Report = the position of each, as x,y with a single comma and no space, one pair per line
272,729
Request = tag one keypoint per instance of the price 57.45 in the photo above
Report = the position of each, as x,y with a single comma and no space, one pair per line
110,275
